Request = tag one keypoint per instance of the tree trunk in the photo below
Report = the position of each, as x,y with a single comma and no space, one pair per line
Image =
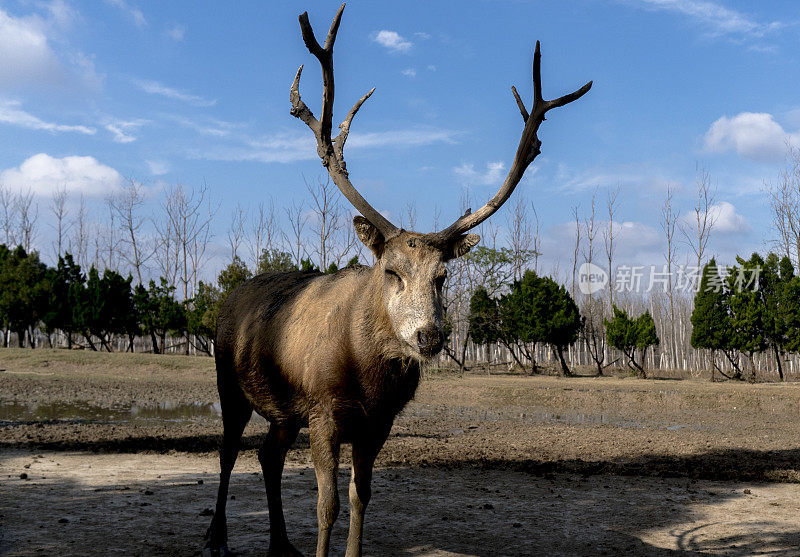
564,368
778,361
514,355
88,338
713,367
738,372
155,342
104,343
640,372
21,338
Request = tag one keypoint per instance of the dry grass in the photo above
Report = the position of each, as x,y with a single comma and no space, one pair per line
87,364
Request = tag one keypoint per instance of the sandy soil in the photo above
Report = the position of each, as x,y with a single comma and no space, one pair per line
476,465
153,504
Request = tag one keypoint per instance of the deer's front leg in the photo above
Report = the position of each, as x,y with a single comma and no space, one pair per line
364,453
325,454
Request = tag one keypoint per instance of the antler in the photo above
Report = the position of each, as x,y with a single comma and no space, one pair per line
527,151
332,151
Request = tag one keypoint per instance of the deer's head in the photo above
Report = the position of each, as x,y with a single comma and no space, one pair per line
411,266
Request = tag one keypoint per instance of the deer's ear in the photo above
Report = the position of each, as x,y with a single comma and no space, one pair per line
369,235
462,244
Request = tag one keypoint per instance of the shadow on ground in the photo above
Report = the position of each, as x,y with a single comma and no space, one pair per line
153,504
714,464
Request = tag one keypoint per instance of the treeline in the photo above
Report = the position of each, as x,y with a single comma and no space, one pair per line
739,313
100,310
538,310
752,308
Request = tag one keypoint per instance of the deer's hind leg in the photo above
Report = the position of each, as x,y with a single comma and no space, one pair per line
272,456
236,412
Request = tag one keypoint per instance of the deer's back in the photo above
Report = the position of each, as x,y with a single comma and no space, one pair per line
284,338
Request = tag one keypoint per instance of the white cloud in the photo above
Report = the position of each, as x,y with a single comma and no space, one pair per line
410,72
493,175
392,41
26,49
157,168
176,32
716,19
43,175
416,137
11,113
724,217
132,12
286,148
206,125
754,135
156,88
625,176
122,130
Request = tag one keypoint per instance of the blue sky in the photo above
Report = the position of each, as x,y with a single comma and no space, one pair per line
197,92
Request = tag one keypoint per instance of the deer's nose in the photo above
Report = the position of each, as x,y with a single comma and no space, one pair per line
429,340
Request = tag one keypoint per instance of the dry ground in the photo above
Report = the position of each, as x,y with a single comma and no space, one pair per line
477,465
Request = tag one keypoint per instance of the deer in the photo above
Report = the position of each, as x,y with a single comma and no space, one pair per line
340,354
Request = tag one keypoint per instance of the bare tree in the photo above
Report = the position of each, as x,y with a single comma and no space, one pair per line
410,211
127,205
198,239
297,223
520,238
109,240
537,242
327,221
697,236
58,206
166,251
590,228
669,218
192,226
264,230
577,249
236,233
785,202
28,214
608,241
8,215
79,241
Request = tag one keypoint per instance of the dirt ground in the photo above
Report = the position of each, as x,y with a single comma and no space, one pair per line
117,453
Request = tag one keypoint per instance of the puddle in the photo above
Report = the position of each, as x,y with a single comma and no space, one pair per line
84,412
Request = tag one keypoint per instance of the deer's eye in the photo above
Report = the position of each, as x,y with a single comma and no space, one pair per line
392,275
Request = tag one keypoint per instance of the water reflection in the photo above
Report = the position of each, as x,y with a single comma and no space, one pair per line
16,412
172,411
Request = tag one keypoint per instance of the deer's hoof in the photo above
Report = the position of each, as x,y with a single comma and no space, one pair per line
287,550
221,551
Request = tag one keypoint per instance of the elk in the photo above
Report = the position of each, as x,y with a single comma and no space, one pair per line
341,354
